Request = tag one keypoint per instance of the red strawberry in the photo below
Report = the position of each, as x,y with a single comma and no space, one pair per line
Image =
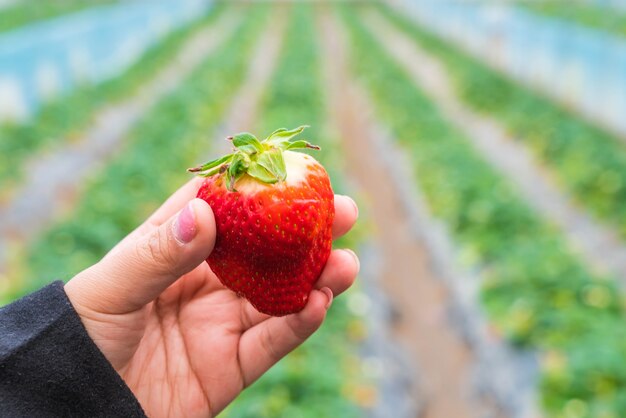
274,210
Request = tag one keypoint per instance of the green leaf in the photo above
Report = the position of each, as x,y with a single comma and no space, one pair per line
272,160
262,160
235,171
211,164
276,132
261,173
282,135
213,171
301,144
247,143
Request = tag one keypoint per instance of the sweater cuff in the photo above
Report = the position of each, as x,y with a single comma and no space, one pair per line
49,366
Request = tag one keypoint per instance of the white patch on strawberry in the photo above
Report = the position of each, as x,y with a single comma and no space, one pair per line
298,166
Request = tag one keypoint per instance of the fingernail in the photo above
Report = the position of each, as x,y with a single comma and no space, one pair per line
356,258
329,296
185,225
355,206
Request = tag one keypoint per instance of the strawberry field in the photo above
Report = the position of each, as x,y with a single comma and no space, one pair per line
492,224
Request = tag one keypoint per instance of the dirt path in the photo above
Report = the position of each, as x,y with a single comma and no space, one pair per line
442,359
244,109
598,244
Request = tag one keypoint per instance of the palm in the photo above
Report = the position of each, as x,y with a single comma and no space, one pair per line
194,330
185,345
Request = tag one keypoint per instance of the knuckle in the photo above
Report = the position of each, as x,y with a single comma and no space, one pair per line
147,227
302,329
302,333
269,346
155,247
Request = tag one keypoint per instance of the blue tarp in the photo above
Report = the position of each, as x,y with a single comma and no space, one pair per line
580,66
44,59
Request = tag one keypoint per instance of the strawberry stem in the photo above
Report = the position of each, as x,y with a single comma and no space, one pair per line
262,160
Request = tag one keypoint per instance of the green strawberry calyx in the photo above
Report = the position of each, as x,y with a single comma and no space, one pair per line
262,160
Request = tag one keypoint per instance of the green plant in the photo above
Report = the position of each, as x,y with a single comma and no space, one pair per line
29,11
586,14
170,136
316,380
67,117
588,162
535,291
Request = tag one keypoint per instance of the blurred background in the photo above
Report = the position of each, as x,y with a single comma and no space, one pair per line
484,141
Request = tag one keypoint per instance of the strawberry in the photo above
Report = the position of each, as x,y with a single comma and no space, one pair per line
274,210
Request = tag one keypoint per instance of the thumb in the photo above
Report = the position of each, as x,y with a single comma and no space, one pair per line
141,269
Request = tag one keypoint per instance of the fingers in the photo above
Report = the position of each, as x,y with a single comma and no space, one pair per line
176,201
338,275
171,206
271,338
346,211
264,344
141,269
346,214
340,271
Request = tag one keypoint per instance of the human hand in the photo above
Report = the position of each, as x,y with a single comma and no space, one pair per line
183,343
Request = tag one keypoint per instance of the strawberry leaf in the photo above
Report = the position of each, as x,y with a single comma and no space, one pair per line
261,173
262,160
236,169
281,136
276,132
247,143
214,171
301,144
272,160
211,164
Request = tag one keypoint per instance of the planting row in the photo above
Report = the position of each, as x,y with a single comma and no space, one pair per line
321,378
152,165
592,15
575,65
535,290
46,60
66,118
590,163
28,11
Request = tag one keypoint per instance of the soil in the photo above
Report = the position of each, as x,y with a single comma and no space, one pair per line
244,109
442,360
